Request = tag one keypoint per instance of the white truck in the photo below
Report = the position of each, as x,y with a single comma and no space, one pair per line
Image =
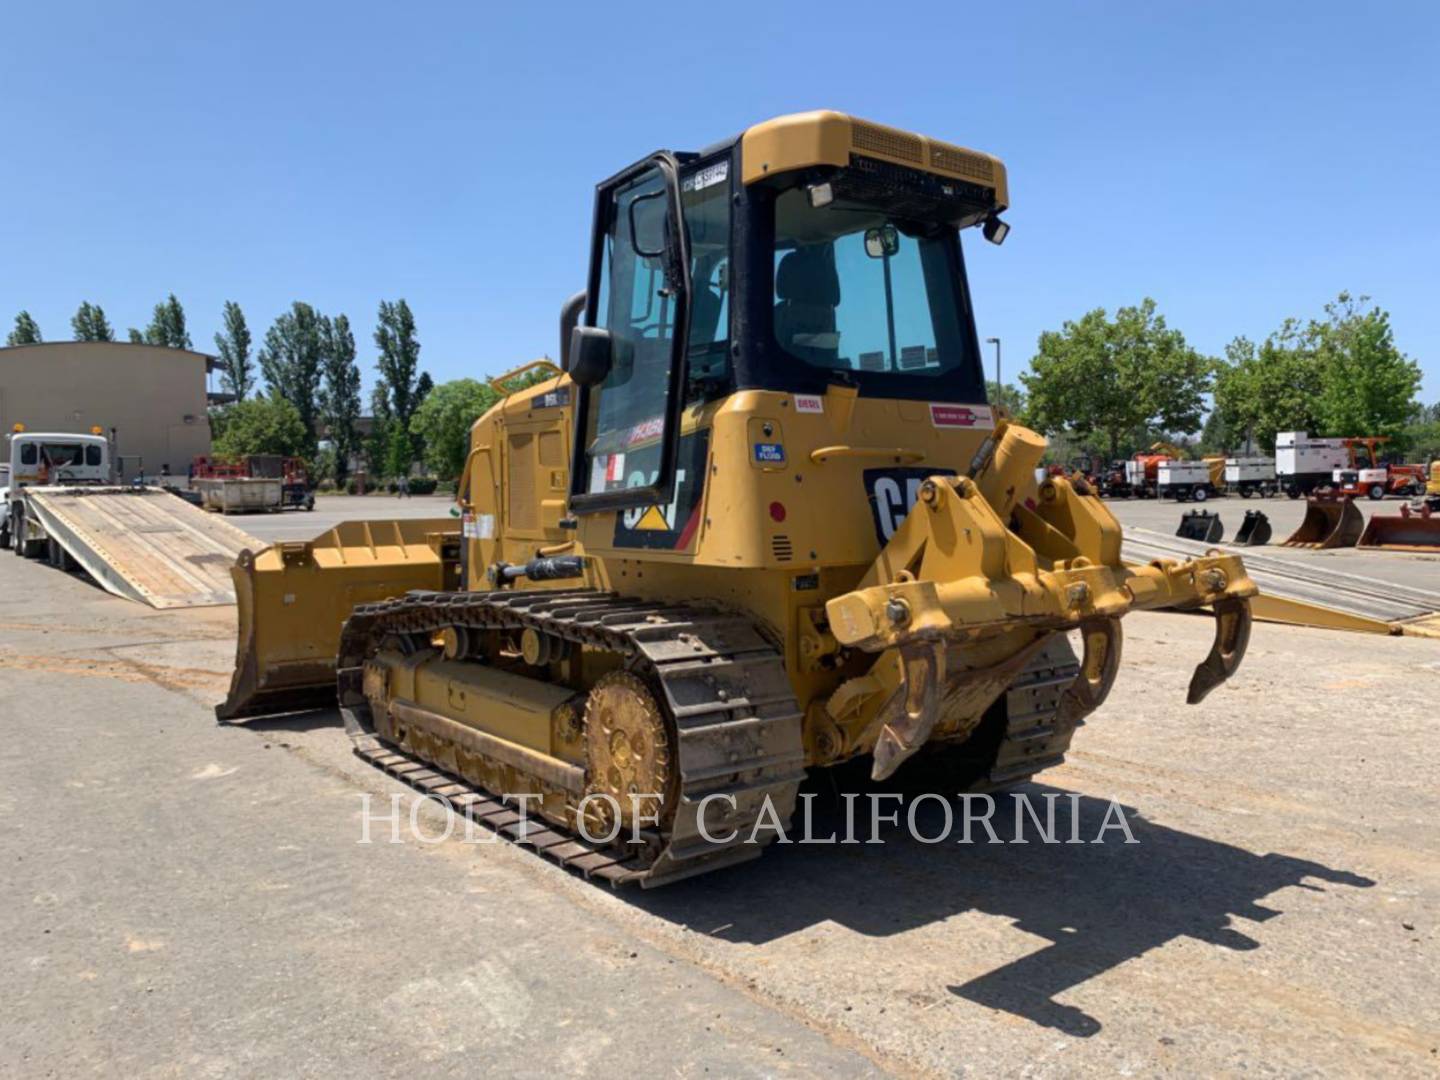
1303,464
1251,476
46,459
1184,480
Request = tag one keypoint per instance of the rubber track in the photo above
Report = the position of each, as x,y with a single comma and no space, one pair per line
724,685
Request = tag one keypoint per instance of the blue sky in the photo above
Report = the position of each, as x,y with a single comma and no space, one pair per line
1240,162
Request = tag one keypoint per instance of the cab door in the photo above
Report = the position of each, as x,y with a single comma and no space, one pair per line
625,450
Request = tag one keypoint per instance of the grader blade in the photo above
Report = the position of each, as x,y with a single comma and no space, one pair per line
1412,530
1331,521
293,598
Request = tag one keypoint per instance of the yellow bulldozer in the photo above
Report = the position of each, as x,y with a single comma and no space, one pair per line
758,520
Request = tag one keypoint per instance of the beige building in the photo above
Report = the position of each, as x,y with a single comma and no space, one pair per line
151,398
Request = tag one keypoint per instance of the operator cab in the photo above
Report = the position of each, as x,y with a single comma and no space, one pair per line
812,251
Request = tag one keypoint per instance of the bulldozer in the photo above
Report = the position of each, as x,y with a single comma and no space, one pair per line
759,519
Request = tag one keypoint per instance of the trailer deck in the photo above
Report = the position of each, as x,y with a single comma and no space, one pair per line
143,543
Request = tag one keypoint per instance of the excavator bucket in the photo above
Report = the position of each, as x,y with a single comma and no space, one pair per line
1331,521
1201,525
1254,530
294,597
1411,530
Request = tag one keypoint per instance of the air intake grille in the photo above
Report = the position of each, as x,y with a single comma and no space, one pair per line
895,144
780,545
964,164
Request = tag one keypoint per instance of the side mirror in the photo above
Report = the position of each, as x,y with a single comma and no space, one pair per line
882,241
590,355
995,230
648,224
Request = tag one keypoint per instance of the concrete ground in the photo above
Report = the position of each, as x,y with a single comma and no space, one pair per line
184,898
331,510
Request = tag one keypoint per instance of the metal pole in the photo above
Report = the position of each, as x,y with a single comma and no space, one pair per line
999,385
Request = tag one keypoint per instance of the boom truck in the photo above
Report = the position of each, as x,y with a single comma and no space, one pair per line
760,519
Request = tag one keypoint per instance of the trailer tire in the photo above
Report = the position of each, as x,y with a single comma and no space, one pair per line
1246,492
1200,494
1377,492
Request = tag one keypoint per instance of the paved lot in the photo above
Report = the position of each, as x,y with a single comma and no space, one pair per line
331,510
1405,568
185,898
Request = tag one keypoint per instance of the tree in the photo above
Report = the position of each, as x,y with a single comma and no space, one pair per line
1368,385
1009,397
399,359
261,425
340,392
1339,376
237,374
26,332
167,326
1116,378
90,324
1217,436
443,421
291,359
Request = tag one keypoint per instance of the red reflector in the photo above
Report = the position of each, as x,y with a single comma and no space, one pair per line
777,511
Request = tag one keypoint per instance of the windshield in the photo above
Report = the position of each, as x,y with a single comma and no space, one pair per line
859,290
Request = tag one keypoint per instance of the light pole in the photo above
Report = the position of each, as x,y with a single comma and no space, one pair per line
996,342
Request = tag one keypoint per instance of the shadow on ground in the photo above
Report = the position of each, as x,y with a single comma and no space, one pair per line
304,720
1099,905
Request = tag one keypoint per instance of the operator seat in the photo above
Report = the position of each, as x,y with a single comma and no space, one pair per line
808,290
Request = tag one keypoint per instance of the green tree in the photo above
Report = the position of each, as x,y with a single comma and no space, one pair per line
26,332
260,425
232,346
443,423
291,361
399,359
1342,375
340,391
89,323
1275,386
1114,378
399,450
1368,385
1009,397
1217,436
167,326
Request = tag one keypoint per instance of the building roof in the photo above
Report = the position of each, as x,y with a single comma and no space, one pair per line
210,360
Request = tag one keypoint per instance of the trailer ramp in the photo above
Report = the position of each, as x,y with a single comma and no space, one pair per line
143,543
1294,590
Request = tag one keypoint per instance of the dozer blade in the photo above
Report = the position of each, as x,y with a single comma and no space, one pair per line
1411,530
294,597
1201,525
1331,521
1254,530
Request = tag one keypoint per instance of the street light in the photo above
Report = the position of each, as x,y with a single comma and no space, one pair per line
996,342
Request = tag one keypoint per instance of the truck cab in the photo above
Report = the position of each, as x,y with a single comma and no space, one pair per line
47,459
